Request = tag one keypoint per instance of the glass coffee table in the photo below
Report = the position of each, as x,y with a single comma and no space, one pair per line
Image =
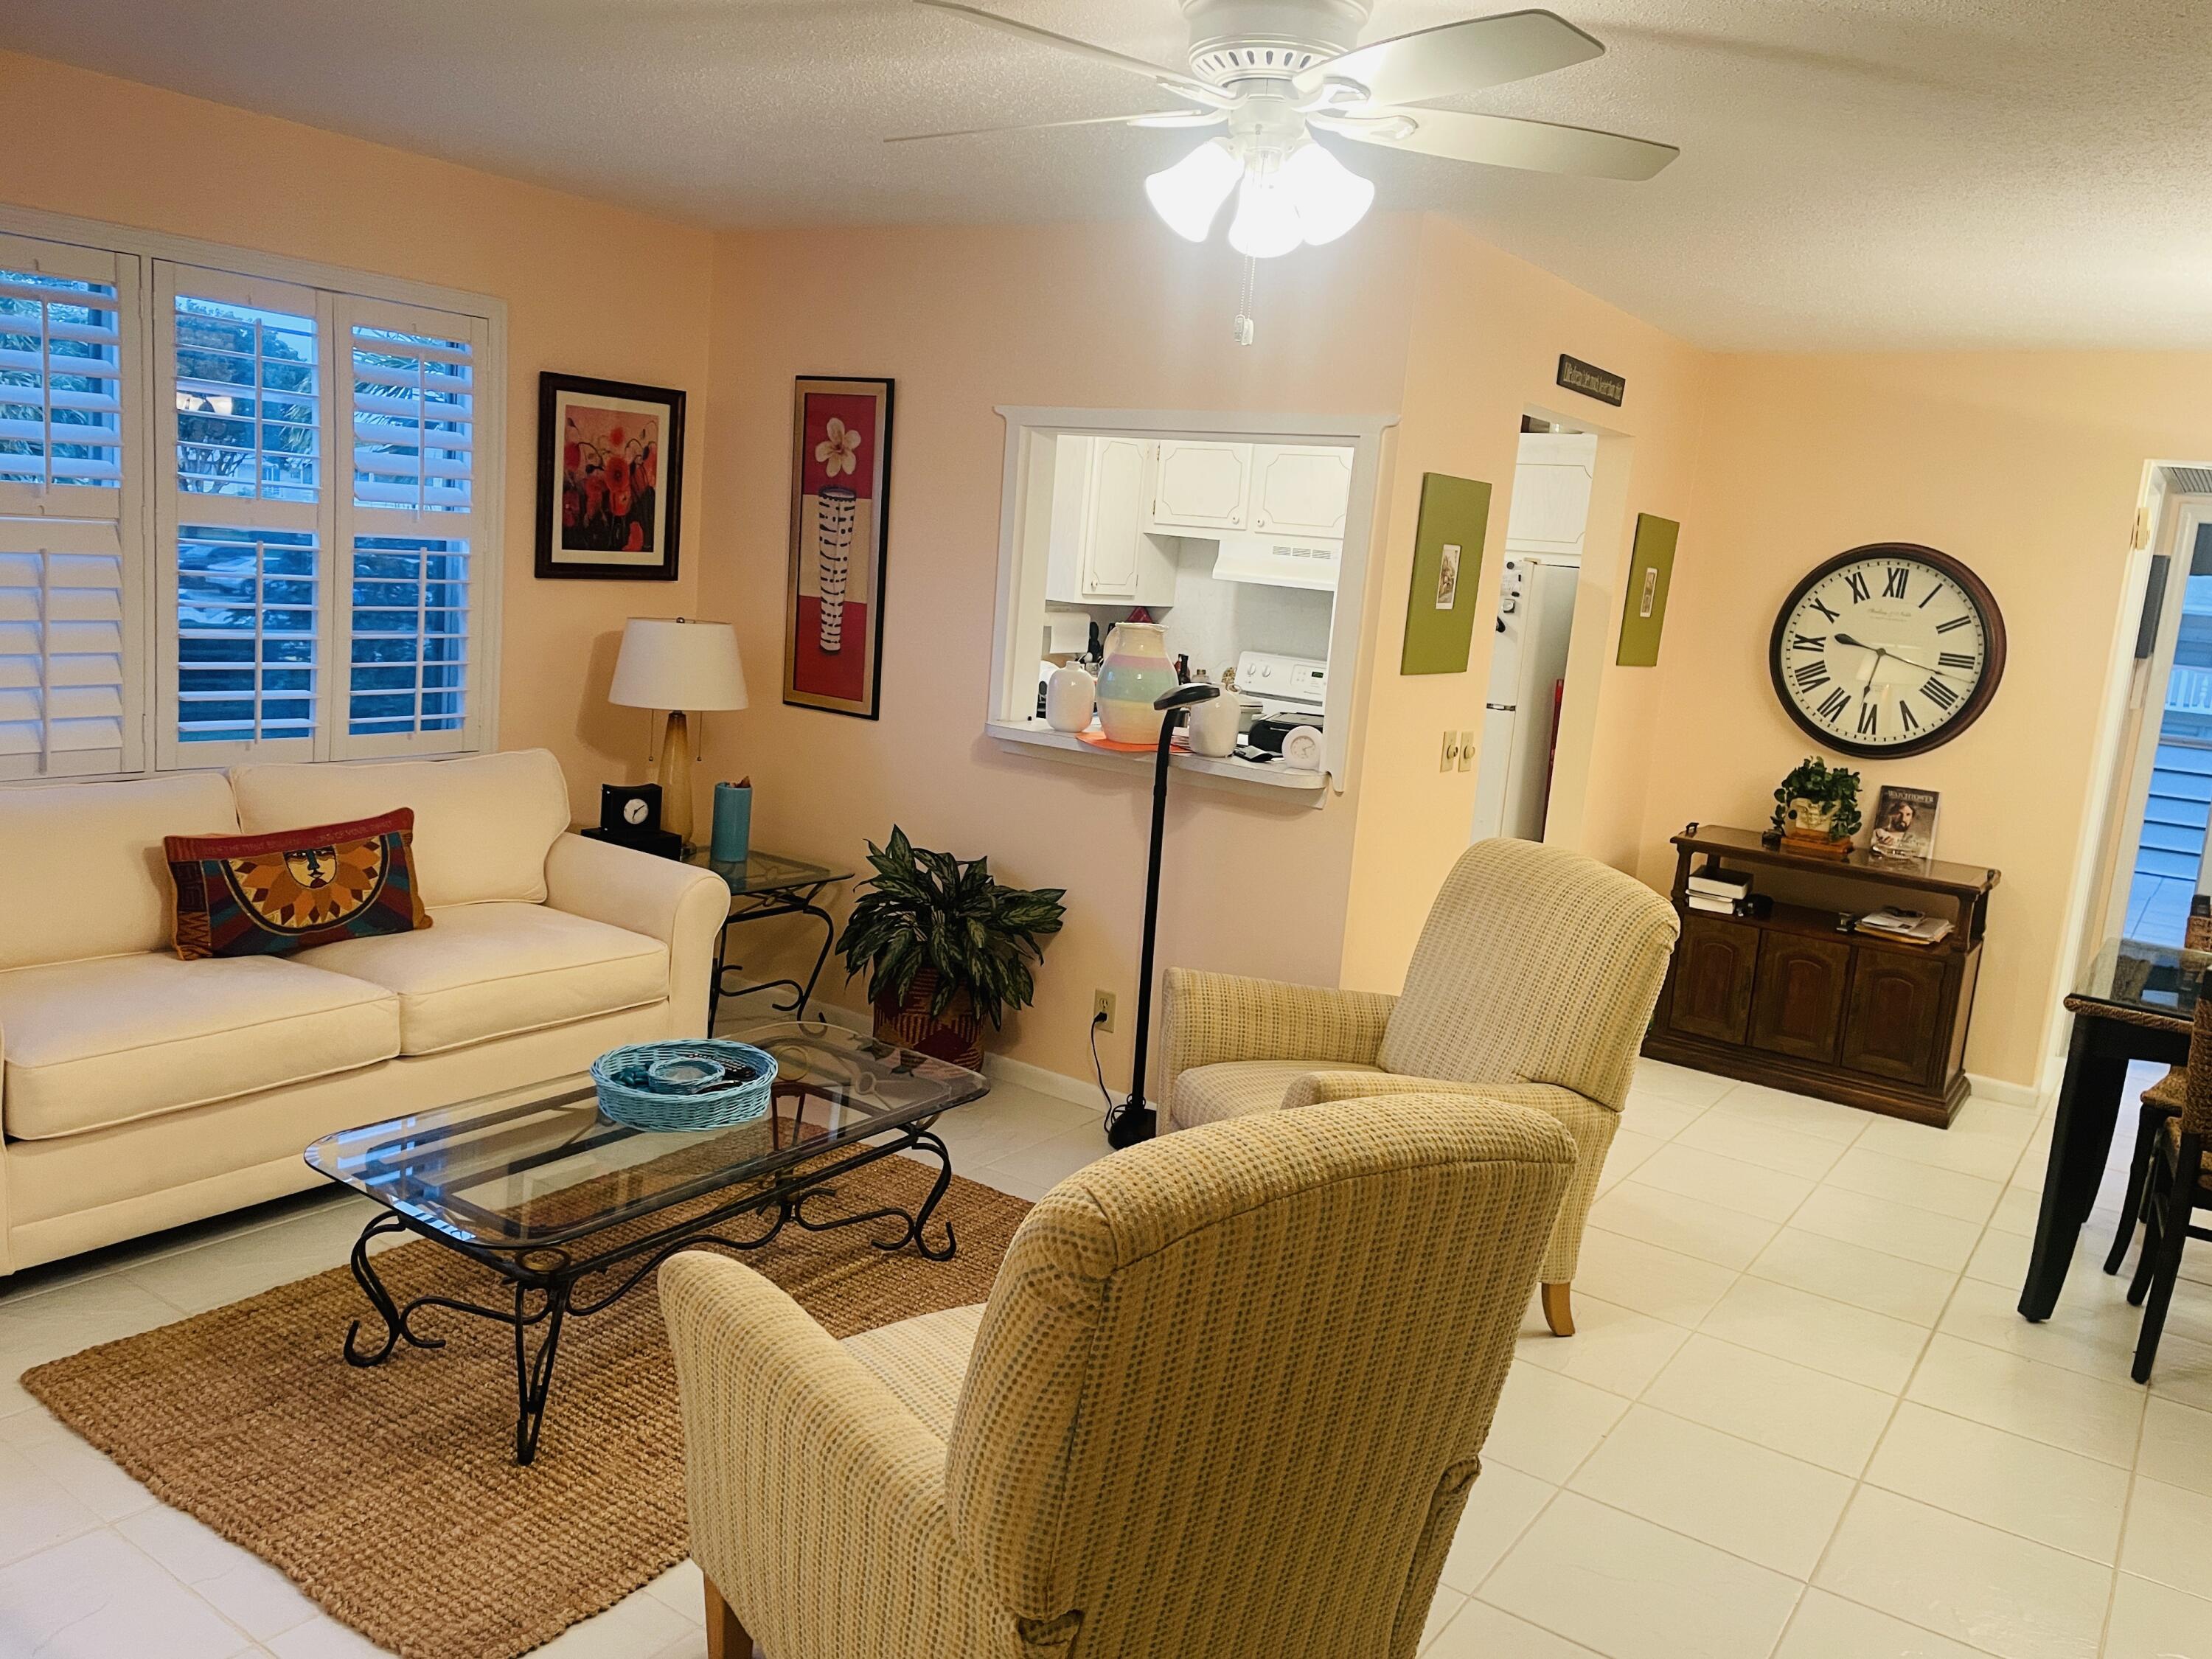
572,1211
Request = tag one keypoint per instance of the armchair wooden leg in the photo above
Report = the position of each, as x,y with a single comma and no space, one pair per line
726,1637
1557,1313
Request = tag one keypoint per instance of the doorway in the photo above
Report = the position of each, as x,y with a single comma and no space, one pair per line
2172,805
1547,518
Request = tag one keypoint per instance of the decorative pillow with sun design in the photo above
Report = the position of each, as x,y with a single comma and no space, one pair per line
249,896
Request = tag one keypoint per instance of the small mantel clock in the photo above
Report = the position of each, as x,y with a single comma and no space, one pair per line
1887,649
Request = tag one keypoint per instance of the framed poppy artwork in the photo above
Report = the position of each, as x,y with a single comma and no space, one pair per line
610,479
840,475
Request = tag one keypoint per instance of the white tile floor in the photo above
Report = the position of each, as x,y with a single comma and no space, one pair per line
1801,1419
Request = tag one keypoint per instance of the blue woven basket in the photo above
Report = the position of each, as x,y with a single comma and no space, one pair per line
677,1085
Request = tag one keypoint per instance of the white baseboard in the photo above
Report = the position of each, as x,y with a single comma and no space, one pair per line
2004,1093
1081,1092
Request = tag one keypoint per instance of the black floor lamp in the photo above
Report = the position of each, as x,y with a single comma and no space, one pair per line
1132,1120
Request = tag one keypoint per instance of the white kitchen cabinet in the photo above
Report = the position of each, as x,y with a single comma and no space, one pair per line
1300,490
1200,488
1551,481
1100,552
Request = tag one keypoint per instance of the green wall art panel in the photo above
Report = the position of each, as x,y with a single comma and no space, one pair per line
1643,608
1446,570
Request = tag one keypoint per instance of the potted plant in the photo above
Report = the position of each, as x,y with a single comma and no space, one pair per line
946,946
1816,810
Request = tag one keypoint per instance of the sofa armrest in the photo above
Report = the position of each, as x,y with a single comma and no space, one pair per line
816,1497
680,904
1208,1019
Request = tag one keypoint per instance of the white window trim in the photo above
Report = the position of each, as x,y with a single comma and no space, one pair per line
1008,718
143,422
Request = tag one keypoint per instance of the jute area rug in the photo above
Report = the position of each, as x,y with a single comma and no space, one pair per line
389,1496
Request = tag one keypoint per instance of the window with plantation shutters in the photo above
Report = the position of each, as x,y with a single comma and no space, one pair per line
242,507
71,512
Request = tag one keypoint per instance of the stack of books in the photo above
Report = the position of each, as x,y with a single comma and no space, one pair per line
1909,926
1719,892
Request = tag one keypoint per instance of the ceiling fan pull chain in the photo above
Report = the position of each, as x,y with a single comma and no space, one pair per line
1245,317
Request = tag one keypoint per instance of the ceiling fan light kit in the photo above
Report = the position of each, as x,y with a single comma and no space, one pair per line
1275,71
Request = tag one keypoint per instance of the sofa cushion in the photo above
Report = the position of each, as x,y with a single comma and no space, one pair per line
1236,1088
81,867
89,1044
483,825
488,971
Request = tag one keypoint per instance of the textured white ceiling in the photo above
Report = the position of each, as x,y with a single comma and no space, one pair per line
1856,173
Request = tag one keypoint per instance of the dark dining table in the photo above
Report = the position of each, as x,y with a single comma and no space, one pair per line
2135,1000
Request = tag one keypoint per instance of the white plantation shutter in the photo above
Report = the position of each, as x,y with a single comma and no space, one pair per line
244,515
63,312
71,512
407,597
68,685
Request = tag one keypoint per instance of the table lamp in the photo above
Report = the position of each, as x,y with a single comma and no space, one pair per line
676,664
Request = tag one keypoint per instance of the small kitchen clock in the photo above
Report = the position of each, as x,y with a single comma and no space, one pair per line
1887,649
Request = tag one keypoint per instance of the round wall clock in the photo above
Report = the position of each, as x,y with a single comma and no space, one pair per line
1887,649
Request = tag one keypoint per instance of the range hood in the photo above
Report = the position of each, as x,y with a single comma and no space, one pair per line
1278,561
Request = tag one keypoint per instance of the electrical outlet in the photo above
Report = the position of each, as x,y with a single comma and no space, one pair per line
1102,1002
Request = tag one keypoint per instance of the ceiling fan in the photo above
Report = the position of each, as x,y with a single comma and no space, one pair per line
1274,72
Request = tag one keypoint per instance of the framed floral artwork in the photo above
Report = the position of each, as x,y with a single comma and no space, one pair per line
610,479
841,473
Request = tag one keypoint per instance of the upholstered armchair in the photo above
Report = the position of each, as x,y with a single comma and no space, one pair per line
1227,1399
1533,981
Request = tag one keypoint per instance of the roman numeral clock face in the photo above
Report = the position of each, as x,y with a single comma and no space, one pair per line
1887,650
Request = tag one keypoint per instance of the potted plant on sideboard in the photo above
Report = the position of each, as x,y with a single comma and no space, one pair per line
946,946
1816,810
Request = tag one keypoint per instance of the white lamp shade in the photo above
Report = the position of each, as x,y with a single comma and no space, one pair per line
668,662
1266,222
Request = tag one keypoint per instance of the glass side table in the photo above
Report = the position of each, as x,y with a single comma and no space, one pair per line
765,885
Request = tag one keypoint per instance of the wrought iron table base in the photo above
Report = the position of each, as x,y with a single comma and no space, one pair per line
790,902
553,1279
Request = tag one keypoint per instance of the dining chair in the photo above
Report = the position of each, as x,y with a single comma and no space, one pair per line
2177,1185
2162,1103
1227,1399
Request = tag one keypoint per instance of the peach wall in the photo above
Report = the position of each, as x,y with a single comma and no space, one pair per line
590,289
1487,332
2027,466
1108,316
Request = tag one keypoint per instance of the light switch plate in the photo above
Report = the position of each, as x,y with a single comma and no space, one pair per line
1451,753
1465,750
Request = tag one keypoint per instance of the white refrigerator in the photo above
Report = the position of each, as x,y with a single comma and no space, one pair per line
1528,667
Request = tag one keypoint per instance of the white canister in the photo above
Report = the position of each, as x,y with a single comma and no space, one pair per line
1071,697
1214,726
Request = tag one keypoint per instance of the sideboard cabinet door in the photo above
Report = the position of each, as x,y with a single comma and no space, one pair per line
1799,1007
1892,1025
1714,966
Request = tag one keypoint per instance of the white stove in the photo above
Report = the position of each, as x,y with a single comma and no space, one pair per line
1283,685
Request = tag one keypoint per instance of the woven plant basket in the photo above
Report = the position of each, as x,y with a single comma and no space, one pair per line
955,1034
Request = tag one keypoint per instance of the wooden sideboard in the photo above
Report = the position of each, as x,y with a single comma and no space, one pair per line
1788,1000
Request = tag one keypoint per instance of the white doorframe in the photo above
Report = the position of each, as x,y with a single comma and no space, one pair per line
2127,743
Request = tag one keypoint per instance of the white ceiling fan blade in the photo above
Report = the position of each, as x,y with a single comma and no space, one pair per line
1182,85
1166,118
1456,57
1504,141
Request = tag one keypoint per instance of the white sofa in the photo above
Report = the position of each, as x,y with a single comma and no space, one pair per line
138,1091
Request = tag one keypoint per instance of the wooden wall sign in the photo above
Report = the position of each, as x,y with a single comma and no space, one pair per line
1592,381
